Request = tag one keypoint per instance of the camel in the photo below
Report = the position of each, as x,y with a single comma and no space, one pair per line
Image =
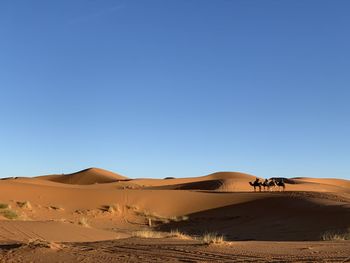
269,184
256,184
280,185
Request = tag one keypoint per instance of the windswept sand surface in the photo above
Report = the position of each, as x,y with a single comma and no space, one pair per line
170,250
93,215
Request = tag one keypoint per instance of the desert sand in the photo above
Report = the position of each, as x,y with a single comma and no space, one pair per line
99,216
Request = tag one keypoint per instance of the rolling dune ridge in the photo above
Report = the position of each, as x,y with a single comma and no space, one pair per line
95,205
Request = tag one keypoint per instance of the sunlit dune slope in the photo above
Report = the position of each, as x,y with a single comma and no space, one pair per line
221,202
85,177
327,181
229,181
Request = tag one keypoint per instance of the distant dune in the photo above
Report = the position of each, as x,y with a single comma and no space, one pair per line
85,177
328,181
95,204
220,181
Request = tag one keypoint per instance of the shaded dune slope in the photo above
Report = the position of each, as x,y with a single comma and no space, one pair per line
278,217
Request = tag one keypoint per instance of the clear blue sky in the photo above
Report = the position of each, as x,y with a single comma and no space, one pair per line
175,88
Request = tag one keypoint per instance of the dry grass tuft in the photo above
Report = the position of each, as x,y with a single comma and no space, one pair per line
154,217
83,222
57,208
25,205
179,218
40,243
9,214
207,238
4,206
113,209
156,234
148,234
212,238
336,235
179,235
132,207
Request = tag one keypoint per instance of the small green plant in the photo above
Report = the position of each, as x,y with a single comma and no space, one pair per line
9,214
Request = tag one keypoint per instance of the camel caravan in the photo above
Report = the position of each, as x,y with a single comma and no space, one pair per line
268,185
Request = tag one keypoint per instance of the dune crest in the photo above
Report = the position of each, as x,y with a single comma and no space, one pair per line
86,177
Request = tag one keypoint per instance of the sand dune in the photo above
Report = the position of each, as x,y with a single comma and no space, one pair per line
239,182
216,181
52,231
270,217
52,207
87,176
328,181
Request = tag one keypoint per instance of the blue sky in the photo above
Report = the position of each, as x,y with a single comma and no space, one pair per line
175,88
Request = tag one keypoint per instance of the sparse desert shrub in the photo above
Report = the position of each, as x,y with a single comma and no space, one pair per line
9,214
132,207
4,206
35,243
176,233
113,209
148,234
57,208
184,218
151,216
336,235
25,204
83,222
212,238
154,217
179,218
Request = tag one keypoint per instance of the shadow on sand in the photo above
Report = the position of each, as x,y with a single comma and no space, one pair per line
271,218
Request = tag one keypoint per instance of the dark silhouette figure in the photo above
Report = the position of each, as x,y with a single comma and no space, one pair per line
256,184
280,185
270,184
265,184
